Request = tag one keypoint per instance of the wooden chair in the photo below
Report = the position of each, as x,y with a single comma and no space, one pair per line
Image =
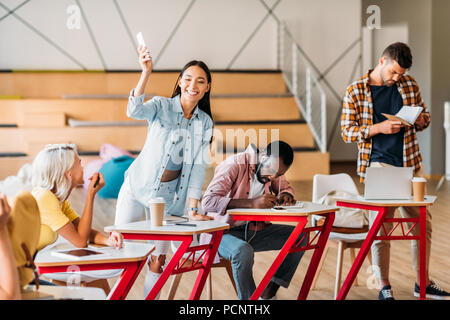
340,238
222,264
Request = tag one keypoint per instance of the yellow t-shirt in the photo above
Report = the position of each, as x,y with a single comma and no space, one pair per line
54,215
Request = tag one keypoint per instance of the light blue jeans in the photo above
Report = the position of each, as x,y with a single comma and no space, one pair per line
128,209
236,249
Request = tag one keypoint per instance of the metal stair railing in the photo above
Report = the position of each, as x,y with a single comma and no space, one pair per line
303,83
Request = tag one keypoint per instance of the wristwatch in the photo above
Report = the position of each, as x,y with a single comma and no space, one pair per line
193,209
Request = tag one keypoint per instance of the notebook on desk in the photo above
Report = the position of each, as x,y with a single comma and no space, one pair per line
388,183
297,205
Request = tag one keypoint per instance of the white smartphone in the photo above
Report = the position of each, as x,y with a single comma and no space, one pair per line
140,39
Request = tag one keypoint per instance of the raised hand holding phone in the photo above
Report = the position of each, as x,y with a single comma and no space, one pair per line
145,58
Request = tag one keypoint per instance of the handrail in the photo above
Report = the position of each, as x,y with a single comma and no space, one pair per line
303,82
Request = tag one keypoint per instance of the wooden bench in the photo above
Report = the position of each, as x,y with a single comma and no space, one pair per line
56,84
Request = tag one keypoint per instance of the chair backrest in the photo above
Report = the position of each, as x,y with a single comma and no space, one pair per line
24,225
323,184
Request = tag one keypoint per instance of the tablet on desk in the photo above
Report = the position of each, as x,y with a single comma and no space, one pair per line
75,254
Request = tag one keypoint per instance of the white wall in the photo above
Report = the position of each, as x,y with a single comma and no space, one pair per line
440,82
325,29
376,40
212,30
416,15
428,28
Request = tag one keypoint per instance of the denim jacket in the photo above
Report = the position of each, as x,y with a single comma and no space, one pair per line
164,118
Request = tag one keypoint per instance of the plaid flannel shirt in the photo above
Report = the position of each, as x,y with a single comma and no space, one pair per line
357,117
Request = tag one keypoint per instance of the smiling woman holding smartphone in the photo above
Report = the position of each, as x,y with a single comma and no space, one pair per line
172,162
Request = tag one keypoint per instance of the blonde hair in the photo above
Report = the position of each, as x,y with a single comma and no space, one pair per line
50,166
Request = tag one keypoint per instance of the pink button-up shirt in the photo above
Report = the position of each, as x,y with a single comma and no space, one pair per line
232,180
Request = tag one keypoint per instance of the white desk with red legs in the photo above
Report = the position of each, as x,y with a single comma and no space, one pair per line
201,261
382,207
131,258
317,242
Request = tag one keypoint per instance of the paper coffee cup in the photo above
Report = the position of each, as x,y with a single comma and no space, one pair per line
156,211
419,188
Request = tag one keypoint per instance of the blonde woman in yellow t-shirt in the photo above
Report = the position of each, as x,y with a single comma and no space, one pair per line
56,171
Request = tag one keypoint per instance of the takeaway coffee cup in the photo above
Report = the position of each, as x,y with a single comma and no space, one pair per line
419,185
156,211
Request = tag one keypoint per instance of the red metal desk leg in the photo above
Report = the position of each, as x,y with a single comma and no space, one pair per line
423,251
317,255
207,263
121,287
362,253
280,257
126,281
186,242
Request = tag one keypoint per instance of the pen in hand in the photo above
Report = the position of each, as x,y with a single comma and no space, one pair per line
272,201
97,181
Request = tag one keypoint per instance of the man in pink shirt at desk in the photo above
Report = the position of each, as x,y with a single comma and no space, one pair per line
253,179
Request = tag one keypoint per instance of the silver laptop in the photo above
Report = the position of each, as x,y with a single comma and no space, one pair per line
388,183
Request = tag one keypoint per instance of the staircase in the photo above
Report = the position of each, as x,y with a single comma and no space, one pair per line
265,118
247,107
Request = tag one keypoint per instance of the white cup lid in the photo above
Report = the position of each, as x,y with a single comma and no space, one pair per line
157,200
419,179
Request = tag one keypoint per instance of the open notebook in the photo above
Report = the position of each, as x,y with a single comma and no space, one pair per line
407,115
297,205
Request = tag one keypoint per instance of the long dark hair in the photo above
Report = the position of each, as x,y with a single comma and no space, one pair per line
204,103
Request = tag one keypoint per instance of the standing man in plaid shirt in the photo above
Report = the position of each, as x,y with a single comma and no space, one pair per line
381,143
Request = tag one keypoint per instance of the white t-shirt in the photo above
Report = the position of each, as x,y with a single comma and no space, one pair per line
256,188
